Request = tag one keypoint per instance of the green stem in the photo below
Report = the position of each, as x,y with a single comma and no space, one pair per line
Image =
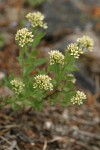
22,52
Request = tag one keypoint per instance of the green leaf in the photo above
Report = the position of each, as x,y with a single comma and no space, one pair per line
37,105
67,97
20,60
34,52
37,39
8,79
70,68
29,70
16,106
40,61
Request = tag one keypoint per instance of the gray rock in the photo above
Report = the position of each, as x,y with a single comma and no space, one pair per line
62,14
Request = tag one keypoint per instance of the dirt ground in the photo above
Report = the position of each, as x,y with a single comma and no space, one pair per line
54,127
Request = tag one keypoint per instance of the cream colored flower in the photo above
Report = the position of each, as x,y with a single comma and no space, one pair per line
43,82
85,42
24,36
73,80
17,86
78,99
36,19
56,57
74,50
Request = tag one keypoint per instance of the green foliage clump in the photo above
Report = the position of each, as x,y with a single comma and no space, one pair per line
35,2
2,40
55,82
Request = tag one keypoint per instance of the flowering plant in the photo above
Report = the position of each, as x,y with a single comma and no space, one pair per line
55,82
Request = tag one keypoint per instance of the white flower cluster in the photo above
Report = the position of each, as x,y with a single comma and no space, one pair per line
43,82
78,99
17,86
36,19
23,36
73,80
74,50
85,42
56,57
